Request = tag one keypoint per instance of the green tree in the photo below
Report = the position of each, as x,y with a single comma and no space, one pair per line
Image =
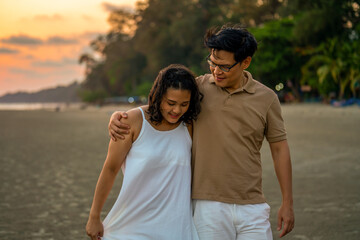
351,58
335,60
123,66
318,20
95,86
277,60
252,13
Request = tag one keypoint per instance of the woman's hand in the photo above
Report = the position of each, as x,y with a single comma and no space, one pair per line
94,229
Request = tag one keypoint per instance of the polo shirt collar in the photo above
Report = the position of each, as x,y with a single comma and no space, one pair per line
249,86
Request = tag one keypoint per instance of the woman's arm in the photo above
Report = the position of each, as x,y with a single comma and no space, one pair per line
117,153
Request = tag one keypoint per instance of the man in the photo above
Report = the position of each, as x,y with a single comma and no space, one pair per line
237,113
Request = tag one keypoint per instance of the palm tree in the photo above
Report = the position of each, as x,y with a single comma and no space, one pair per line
336,61
352,57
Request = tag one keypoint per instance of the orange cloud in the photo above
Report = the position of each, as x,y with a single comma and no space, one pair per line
54,17
4,50
28,40
21,40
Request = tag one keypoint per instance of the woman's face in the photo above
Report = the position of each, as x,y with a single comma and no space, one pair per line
174,104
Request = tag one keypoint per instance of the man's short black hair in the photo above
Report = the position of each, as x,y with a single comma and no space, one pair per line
231,38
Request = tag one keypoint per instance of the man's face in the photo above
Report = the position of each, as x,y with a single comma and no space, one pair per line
233,79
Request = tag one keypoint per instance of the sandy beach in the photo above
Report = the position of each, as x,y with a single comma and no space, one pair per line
50,162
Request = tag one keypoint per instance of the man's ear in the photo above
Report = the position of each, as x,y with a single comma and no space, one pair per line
246,62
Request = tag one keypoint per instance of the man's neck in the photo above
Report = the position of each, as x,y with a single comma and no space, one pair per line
243,80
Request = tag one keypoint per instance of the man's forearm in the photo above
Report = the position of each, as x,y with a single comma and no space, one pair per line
282,164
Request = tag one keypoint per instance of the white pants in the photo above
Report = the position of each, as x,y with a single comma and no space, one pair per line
223,221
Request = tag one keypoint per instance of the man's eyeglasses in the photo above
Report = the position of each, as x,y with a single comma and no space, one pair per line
222,67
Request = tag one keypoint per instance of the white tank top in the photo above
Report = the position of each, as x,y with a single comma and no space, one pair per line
155,198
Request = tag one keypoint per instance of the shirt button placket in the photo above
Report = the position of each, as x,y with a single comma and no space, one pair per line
228,99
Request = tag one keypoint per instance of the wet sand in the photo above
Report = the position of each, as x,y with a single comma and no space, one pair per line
50,162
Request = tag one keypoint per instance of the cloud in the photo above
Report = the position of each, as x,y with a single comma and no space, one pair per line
43,18
8,51
30,57
26,72
50,63
110,7
55,17
27,40
60,40
39,74
22,40
87,18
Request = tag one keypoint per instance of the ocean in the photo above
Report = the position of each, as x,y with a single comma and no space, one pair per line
37,106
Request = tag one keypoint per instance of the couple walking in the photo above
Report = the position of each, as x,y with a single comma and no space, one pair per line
200,139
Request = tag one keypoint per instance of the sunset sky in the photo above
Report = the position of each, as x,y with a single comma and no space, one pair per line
41,40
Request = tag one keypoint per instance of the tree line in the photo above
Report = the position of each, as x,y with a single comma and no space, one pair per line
307,49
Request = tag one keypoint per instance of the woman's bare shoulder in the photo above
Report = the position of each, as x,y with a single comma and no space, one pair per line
134,117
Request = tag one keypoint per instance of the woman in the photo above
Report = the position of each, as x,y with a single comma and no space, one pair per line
154,201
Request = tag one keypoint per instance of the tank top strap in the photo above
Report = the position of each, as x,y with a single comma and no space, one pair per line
142,113
140,135
145,124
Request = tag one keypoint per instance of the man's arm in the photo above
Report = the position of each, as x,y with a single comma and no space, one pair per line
282,163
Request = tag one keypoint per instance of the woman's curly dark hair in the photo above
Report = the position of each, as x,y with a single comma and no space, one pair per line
174,76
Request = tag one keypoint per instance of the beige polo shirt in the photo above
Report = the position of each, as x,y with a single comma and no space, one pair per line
227,138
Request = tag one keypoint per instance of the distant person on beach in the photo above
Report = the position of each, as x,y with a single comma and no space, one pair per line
238,112
155,158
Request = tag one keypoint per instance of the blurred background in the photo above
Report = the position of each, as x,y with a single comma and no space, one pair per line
73,63
98,51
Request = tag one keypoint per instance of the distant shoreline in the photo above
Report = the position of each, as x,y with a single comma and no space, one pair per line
61,106
81,106
37,105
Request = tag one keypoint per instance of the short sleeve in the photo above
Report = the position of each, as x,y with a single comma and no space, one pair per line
275,128
202,81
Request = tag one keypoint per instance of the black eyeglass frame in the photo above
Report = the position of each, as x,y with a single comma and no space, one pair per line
222,68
